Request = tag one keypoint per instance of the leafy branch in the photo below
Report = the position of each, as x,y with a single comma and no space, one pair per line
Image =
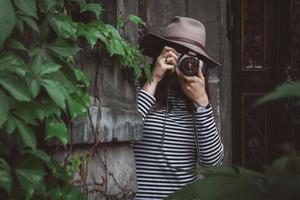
41,90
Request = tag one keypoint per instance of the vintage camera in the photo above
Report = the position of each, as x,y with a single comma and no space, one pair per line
189,63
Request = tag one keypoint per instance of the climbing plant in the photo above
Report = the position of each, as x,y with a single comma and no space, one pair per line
42,91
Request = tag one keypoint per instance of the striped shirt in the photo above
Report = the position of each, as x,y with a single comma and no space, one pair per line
166,156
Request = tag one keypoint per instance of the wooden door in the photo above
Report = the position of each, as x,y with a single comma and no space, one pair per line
266,53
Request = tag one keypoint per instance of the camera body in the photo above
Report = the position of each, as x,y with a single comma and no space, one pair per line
189,63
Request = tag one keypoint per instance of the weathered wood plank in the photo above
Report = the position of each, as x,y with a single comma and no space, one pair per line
160,12
125,8
208,13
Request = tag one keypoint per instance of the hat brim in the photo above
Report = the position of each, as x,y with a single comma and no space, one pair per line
152,45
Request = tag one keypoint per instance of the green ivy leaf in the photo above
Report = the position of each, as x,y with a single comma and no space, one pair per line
19,70
114,43
44,30
4,107
26,133
37,63
67,80
66,193
40,154
30,22
120,22
15,44
55,91
28,7
63,25
10,124
92,7
5,176
47,108
57,128
80,76
103,29
73,193
8,59
63,47
12,63
27,112
133,59
78,103
31,179
115,47
20,25
7,19
16,88
50,68
115,35
44,67
148,71
48,5
34,50
59,172
35,88
90,32
136,20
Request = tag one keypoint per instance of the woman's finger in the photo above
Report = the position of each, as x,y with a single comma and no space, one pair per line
171,60
185,77
188,78
200,74
170,54
166,49
161,59
179,74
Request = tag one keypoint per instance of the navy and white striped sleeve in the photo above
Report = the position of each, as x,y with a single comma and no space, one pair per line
145,102
211,150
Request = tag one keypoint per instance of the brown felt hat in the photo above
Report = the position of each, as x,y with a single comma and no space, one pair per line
183,33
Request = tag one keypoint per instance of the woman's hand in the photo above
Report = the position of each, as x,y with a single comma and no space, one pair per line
194,87
166,61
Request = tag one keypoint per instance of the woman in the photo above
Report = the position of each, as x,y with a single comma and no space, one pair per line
175,108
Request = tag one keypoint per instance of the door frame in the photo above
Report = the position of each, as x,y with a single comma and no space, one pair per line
236,63
282,47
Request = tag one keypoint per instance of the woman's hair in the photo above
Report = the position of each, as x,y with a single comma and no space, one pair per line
162,90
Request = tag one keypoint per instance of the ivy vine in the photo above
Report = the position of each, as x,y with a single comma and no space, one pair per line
41,90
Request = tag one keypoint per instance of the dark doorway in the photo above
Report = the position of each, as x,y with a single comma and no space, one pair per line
266,53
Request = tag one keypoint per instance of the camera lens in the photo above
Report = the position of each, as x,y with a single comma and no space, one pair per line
189,66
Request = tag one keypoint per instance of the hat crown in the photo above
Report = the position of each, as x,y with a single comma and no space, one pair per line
186,27
181,32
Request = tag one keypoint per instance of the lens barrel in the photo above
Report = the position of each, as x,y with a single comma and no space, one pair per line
188,65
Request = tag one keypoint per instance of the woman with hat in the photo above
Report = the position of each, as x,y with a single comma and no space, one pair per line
179,128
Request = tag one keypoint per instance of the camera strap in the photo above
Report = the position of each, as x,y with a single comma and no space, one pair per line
196,138
164,131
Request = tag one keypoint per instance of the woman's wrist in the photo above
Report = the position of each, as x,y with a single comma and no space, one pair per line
150,87
201,101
